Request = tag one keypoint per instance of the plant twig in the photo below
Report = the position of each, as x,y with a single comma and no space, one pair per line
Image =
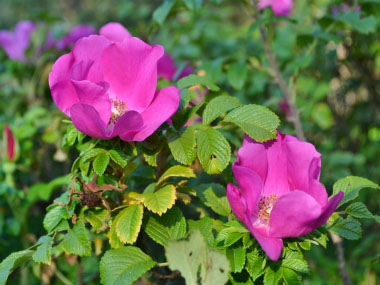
337,241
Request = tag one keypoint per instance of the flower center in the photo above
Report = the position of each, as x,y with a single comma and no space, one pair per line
118,109
265,206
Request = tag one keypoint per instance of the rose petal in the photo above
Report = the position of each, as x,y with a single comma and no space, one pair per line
164,105
130,122
63,92
328,210
94,95
130,67
253,155
293,215
87,120
282,7
250,184
114,32
236,201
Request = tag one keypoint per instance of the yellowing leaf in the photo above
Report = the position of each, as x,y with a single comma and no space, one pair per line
160,201
128,223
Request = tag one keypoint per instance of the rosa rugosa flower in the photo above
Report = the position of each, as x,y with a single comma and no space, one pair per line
15,43
108,88
165,67
279,7
280,195
75,33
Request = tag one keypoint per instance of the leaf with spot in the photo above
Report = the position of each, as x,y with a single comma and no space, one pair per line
161,200
170,226
214,151
218,106
182,145
124,266
129,223
351,185
257,121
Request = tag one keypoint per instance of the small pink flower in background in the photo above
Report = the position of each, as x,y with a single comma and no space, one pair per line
167,68
280,195
279,7
15,43
285,108
9,143
75,33
107,86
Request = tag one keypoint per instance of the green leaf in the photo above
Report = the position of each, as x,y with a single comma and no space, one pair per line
101,163
291,277
218,106
272,277
193,79
176,171
76,241
237,74
219,205
351,185
14,260
43,252
364,25
160,201
205,226
359,210
124,266
168,227
160,14
118,157
296,264
236,256
182,145
112,235
54,217
71,135
92,153
193,4
214,152
151,159
349,228
254,264
96,217
189,256
257,121
129,223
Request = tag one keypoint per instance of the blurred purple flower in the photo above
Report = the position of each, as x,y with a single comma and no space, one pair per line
280,195
74,34
15,43
279,7
343,8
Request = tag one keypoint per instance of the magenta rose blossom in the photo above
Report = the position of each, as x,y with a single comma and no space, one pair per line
280,195
279,7
108,88
15,43
75,34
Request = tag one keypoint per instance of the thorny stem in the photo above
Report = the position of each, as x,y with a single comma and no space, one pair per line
295,118
289,96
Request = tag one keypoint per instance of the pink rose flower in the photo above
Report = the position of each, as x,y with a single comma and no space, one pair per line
9,143
280,195
107,86
15,43
73,35
279,7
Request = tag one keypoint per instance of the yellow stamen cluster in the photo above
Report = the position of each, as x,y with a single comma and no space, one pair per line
118,109
265,206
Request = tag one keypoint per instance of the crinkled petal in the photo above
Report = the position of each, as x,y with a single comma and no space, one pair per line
164,105
299,157
277,180
80,69
87,120
130,67
251,185
114,32
328,210
130,122
62,90
271,246
236,201
91,48
253,155
94,95
293,215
